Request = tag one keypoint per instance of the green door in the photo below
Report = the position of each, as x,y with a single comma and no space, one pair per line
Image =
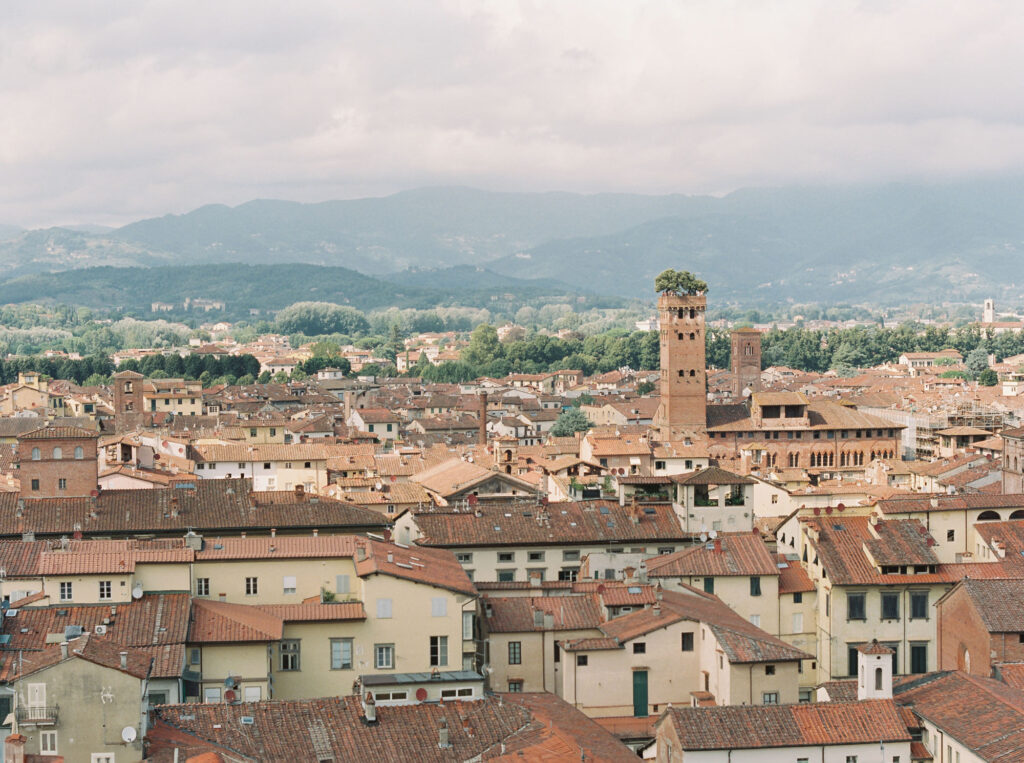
640,693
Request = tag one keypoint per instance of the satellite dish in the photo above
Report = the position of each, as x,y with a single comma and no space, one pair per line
229,682
713,534
703,537
129,734
137,591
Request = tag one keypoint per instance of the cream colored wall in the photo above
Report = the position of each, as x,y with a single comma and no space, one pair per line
902,631
485,566
85,589
818,754
163,577
538,670
248,662
95,704
748,683
806,638
734,590
604,687
311,575
409,630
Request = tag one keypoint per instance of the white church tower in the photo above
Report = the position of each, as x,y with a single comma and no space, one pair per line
874,671
988,315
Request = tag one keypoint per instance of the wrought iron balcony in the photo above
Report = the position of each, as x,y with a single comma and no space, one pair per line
38,715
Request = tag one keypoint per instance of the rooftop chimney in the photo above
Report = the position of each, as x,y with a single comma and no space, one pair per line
63,650
370,709
536,578
124,659
442,735
14,748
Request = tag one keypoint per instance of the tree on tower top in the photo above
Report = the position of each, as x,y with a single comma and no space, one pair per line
679,282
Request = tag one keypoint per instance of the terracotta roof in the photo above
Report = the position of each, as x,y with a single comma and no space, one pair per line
983,714
1010,673
505,524
874,648
711,475
566,734
222,622
999,603
316,612
155,620
429,566
207,506
924,504
821,415
757,726
280,547
738,554
333,728
245,453
515,614
793,578
59,433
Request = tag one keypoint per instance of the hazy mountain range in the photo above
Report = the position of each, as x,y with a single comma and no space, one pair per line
882,244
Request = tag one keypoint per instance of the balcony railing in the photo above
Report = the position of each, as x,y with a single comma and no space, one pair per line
39,715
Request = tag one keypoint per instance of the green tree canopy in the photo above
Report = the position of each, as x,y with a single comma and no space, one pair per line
988,378
679,282
571,421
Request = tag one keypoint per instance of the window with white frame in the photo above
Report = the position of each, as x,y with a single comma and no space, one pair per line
48,742
66,591
252,586
289,584
384,656
252,693
202,586
105,590
211,695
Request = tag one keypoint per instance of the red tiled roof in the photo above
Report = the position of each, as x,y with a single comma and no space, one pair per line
515,614
316,612
921,504
982,714
793,578
334,728
504,524
430,566
738,554
222,622
208,506
758,726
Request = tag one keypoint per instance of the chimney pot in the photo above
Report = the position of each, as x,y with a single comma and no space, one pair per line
63,650
124,659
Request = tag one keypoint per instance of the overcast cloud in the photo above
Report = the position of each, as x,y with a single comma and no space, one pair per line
114,111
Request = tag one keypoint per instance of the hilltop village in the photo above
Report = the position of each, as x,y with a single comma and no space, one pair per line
751,563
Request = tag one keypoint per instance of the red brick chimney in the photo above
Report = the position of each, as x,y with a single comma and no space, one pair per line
14,748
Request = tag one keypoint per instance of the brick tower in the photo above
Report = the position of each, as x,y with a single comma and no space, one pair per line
683,386
746,361
128,402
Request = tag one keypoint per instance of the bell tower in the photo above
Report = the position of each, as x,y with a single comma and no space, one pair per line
683,383
745,359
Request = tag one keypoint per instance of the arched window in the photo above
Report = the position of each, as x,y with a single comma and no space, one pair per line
878,679
58,454
989,516
36,454
79,452
1018,514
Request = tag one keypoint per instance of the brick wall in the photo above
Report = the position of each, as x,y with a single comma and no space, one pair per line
40,477
961,633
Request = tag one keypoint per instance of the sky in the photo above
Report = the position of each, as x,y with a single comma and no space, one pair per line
115,111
